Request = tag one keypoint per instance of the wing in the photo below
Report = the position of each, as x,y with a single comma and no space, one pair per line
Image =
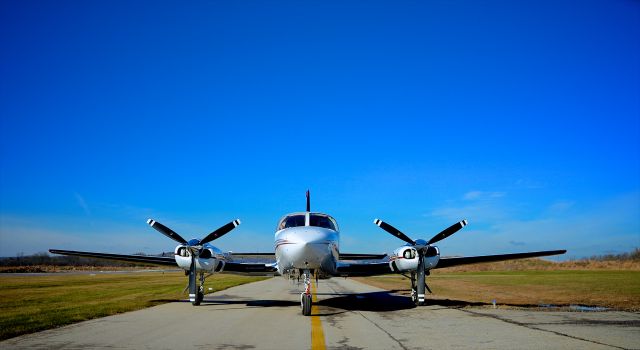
448,262
343,256
252,254
348,256
154,260
363,269
250,269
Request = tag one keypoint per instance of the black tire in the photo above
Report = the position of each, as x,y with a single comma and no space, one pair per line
414,296
306,304
199,298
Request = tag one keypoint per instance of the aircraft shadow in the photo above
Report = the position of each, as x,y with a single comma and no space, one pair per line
383,301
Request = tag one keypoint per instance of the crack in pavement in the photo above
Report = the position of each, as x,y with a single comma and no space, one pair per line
530,326
372,322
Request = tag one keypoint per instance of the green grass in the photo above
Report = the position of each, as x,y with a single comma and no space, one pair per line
614,289
33,303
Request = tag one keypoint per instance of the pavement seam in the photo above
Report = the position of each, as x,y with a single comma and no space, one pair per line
530,326
372,322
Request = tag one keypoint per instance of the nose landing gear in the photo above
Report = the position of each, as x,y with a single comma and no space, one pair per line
305,297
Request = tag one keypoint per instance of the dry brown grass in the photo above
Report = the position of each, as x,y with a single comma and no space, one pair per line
616,289
70,268
546,265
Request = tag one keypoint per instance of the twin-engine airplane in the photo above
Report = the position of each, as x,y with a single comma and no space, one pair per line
306,245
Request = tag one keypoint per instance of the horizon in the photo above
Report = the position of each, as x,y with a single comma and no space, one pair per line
523,118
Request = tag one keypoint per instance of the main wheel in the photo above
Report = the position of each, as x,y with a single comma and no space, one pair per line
199,298
306,304
414,296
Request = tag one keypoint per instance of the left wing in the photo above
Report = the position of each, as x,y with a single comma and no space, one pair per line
448,262
154,260
250,269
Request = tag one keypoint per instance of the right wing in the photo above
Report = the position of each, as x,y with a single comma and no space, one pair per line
351,256
154,260
448,262
363,269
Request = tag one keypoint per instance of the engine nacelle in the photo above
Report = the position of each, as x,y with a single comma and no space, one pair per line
406,258
206,261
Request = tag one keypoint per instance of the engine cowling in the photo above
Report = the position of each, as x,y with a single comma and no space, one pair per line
405,258
205,261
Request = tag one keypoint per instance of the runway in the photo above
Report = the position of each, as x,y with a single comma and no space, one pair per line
348,315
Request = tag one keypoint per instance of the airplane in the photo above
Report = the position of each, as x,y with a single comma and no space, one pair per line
306,245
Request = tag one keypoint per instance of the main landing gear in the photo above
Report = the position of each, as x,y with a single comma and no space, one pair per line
414,290
305,297
418,301
200,294
196,296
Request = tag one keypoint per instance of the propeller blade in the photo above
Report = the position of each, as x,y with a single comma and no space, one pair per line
394,231
166,231
448,231
220,232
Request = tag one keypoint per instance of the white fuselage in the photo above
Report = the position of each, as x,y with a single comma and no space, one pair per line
307,247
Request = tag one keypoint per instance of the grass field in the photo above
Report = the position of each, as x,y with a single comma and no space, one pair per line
33,303
617,289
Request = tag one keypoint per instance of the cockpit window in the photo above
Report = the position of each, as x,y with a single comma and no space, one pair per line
291,221
315,219
323,221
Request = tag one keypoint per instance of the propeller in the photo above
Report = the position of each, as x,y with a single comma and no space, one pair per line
194,246
422,247
166,231
194,242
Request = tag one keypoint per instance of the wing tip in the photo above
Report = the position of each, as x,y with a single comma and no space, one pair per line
236,222
378,222
151,222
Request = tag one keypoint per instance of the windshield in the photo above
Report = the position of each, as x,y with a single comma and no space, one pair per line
323,221
291,221
315,219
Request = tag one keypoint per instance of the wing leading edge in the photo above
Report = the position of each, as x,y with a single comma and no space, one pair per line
154,260
382,267
449,262
230,267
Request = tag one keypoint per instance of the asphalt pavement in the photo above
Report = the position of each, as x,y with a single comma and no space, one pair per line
347,315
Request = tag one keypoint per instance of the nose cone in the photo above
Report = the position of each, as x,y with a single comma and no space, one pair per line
308,246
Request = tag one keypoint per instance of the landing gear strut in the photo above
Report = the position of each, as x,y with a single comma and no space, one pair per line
414,290
305,297
200,292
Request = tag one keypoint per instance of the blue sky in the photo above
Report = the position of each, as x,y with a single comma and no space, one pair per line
522,117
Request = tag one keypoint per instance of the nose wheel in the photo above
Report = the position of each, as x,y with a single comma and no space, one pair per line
305,297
